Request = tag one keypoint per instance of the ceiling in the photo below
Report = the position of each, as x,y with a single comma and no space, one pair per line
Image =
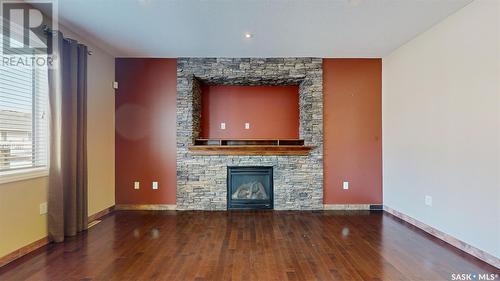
279,28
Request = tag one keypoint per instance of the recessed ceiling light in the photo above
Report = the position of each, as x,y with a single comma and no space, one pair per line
248,35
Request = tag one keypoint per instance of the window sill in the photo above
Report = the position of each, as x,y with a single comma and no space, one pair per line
13,176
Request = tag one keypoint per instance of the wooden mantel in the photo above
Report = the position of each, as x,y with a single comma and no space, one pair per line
283,147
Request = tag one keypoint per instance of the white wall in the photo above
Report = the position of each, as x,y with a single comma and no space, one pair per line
441,124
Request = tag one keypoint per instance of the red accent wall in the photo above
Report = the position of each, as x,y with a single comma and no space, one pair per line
272,111
352,130
145,130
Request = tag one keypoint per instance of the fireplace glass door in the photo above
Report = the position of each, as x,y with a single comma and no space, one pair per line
250,187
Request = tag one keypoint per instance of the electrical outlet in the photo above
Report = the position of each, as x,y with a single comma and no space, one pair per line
428,200
137,185
43,208
222,126
247,126
345,185
155,185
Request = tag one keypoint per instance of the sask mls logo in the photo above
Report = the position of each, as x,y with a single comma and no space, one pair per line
473,276
24,26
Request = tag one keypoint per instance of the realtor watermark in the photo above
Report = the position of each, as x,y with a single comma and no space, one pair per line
27,60
474,276
25,34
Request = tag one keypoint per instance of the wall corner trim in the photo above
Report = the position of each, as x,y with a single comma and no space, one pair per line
469,249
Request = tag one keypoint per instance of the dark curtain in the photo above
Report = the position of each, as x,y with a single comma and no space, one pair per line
67,203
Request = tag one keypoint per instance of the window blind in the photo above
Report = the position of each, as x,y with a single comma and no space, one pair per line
23,116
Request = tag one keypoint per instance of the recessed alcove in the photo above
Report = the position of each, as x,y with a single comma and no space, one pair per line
270,112
249,120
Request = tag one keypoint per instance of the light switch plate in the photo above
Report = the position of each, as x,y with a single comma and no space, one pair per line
137,185
222,126
345,185
43,208
428,200
247,126
155,185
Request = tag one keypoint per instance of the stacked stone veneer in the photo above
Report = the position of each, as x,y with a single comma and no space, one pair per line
201,180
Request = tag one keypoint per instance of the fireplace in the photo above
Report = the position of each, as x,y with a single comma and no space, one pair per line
202,178
250,187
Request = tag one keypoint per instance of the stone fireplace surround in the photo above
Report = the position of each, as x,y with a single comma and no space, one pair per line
202,180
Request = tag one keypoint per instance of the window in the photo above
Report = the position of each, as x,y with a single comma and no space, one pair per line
23,120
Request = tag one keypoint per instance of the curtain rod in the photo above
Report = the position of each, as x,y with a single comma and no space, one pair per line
49,30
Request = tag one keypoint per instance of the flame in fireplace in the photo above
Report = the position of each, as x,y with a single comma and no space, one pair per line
251,190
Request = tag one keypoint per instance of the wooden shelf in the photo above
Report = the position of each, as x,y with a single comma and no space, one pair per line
290,147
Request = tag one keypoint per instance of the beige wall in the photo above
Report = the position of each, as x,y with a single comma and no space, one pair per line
20,219
441,126
101,131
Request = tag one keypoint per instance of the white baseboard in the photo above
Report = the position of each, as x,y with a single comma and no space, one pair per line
457,243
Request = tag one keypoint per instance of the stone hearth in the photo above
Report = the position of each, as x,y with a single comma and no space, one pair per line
202,180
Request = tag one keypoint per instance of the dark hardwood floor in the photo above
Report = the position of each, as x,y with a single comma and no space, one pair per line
264,245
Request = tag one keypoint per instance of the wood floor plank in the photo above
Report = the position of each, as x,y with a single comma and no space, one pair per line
251,245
